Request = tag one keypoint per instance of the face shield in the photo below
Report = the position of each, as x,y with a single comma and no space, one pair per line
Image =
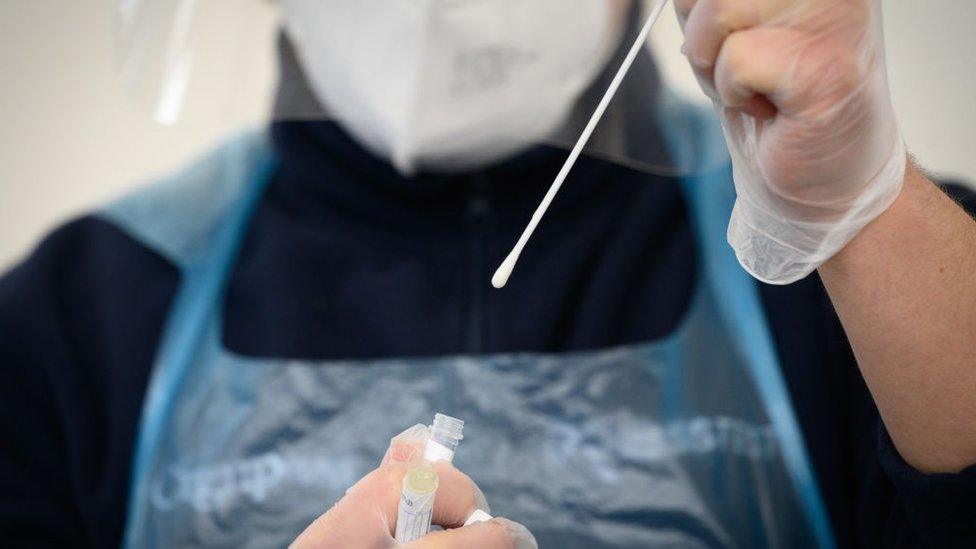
433,86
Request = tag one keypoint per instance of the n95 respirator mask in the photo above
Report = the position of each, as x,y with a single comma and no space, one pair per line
451,85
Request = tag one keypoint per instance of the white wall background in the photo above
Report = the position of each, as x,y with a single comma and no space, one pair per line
70,137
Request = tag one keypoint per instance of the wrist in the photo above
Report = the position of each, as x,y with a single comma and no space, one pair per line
780,242
892,225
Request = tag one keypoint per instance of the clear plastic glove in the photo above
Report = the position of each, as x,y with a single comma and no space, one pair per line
802,90
366,517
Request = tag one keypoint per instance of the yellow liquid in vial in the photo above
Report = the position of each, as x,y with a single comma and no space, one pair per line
422,478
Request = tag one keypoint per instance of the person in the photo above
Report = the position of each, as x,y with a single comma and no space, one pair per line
215,359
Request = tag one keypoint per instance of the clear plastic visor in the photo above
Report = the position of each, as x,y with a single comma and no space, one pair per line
187,61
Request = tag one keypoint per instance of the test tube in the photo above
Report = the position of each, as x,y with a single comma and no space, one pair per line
445,435
416,507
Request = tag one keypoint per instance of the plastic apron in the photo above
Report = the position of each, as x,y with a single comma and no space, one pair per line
689,441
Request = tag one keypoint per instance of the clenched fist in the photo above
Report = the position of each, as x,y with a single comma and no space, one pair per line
801,87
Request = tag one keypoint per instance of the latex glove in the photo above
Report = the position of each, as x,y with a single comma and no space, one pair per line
801,87
365,518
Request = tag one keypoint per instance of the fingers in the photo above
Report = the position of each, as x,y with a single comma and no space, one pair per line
408,446
683,9
740,57
754,63
378,493
362,518
457,497
767,10
711,22
494,534
368,512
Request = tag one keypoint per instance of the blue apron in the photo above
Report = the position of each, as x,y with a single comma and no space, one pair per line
690,441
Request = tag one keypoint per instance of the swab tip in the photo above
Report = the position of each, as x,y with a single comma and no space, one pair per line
500,279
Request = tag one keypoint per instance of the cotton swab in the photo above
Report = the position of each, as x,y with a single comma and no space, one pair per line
508,265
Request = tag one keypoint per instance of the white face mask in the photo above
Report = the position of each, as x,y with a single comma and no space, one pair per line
450,85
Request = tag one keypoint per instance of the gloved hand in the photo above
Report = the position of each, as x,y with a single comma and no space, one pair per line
366,517
802,90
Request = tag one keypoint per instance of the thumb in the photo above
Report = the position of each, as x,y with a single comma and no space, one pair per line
407,447
497,533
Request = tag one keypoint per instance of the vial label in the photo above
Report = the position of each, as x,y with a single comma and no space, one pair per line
414,516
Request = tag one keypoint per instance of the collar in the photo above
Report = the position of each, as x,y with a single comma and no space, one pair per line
323,169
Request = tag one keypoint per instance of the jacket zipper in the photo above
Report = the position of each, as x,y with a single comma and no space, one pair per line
479,213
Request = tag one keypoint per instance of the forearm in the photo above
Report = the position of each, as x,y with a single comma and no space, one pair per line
905,291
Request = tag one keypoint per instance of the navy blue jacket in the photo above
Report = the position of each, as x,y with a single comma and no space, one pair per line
325,272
